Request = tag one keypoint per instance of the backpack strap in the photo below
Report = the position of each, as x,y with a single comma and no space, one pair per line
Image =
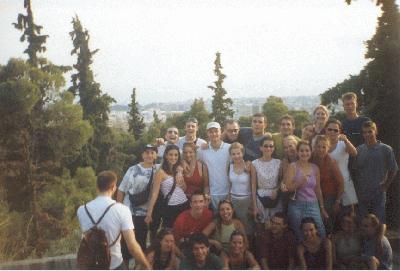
101,217
169,195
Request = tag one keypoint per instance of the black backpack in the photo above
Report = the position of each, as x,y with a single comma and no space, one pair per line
94,250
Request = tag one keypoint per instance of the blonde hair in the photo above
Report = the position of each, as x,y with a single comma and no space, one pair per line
322,138
323,108
236,145
349,96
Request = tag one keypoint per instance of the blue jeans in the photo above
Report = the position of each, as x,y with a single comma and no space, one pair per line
300,209
375,204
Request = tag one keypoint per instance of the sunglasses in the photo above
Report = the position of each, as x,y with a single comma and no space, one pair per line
333,130
268,146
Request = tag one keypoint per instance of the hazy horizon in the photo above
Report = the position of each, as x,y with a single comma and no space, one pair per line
166,49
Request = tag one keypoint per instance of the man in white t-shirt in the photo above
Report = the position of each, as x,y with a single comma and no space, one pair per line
216,157
117,220
191,128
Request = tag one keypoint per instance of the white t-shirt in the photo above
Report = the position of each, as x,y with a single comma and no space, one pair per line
182,140
341,156
135,180
116,220
217,161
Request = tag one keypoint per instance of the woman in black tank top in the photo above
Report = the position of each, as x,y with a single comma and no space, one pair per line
314,252
238,257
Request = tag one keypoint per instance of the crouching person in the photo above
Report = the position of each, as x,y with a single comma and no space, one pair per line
103,219
201,257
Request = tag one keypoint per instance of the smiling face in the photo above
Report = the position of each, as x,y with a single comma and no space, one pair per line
368,227
237,244
369,134
321,148
289,147
232,131
236,155
172,156
348,224
200,252
320,116
333,131
197,203
214,134
267,148
350,106
191,128
277,225
167,243
286,127
304,152
225,212
149,156
172,135
188,153
309,231
308,132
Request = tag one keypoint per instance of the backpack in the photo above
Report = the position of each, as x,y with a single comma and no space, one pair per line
94,250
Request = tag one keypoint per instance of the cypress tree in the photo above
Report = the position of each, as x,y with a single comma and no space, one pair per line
135,120
220,105
96,106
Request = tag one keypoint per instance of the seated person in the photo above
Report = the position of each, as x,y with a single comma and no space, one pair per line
201,258
314,252
162,253
192,221
376,248
277,245
221,228
346,244
238,257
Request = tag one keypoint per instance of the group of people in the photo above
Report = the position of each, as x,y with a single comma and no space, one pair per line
249,199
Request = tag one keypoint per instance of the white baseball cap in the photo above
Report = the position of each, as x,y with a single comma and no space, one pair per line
213,124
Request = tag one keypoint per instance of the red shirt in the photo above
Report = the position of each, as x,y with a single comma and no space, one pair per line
185,224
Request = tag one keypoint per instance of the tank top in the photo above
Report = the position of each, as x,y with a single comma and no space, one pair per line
316,260
177,197
224,235
195,182
240,183
244,265
306,192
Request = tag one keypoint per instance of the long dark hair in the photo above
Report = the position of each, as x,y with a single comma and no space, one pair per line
379,232
165,164
158,264
218,216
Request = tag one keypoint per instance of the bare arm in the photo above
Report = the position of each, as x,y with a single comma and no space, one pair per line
328,253
135,249
209,229
289,176
340,185
155,189
253,180
120,196
350,149
252,261
300,255
318,193
206,180
150,258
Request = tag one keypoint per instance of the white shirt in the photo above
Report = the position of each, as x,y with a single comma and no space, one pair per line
117,219
341,157
182,140
217,161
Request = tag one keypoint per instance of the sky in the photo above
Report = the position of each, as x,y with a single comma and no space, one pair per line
166,49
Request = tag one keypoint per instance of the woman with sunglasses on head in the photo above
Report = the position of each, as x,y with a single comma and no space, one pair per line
238,257
168,180
340,150
315,252
220,229
303,179
195,173
269,175
376,247
330,178
162,254
242,179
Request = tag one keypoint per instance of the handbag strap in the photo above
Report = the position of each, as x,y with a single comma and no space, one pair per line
168,196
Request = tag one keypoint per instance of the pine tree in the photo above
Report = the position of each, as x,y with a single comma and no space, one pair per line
96,106
220,105
135,120
31,34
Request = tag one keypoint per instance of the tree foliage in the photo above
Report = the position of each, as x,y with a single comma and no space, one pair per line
96,106
135,120
221,106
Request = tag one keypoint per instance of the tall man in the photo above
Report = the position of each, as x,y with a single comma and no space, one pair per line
216,157
191,128
376,168
116,220
352,124
286,128
250,138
